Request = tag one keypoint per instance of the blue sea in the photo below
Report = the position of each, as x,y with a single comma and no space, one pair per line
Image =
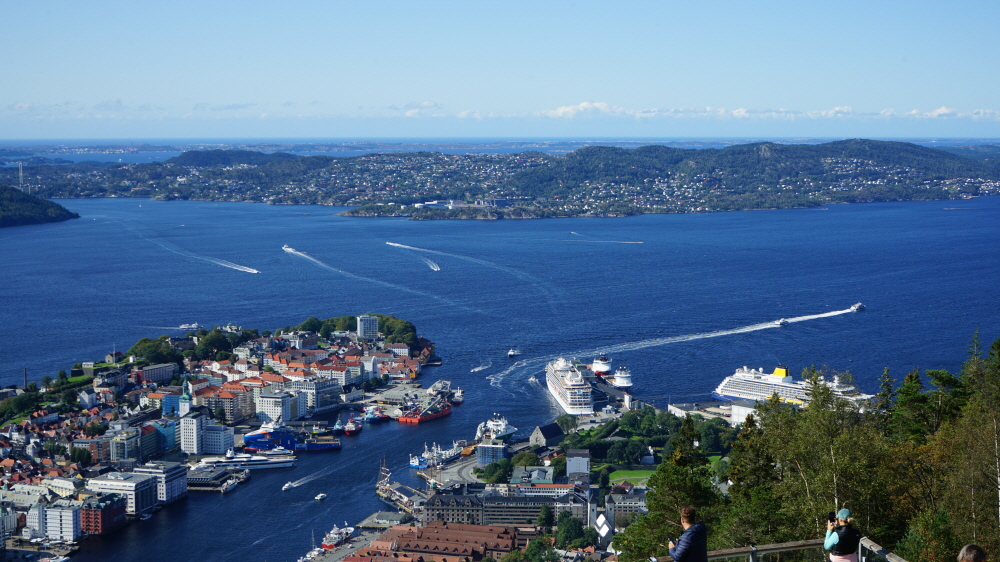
682,300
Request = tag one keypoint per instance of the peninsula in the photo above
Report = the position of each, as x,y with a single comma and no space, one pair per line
18,208
600,181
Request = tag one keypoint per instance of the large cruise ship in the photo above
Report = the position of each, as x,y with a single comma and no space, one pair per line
756,385
241,461
569,388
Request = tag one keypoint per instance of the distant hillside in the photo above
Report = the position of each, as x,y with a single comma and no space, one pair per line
18,208
600,181
228,158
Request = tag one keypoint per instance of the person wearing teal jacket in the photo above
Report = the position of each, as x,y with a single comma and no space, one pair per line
842,539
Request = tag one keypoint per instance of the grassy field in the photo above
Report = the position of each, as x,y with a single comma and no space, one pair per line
633,476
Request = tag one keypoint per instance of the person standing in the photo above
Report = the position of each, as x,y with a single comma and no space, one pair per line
842,539
692,545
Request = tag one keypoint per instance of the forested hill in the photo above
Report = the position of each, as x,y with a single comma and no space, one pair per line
593,181
18,208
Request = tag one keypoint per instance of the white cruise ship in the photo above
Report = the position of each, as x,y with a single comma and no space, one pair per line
569,388
758,386
242,461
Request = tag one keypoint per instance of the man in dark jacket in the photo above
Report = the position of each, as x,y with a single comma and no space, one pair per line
692,546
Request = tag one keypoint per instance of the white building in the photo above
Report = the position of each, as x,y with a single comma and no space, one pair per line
284,405
368,327
62,521
34,522
171,479
138,489
193,433
578,462
217,439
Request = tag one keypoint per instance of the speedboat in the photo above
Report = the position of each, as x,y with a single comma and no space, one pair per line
857,307
321,496
781,322
287,486
513,353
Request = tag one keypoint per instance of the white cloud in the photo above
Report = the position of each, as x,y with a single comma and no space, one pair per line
422,105
942,112
110,105
570,111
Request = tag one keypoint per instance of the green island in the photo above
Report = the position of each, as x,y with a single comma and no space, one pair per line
18,208
598,181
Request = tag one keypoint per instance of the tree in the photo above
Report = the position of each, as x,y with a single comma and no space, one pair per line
570,529
545,516
61,376
80,456
220,414
311,324
566,422
526,458
929,539
46,381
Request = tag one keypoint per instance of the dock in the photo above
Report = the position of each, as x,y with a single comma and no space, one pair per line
384,520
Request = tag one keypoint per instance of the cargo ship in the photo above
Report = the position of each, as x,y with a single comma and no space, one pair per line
436,408
756,385
322,443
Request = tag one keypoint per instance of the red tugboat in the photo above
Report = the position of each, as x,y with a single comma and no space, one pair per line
352,427
437,408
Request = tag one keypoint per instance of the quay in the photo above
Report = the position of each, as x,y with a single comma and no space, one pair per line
384,520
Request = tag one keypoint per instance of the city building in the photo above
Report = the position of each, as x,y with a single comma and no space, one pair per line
282,405
193,433
490,451
62,520
171,479
156,373
217,440
368,327
139,489
578,463
103,513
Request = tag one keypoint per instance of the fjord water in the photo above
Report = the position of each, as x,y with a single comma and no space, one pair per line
682,300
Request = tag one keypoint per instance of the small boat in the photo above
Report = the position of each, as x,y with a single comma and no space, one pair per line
229,485
458,396
194,326
338,428
513,353
352,427
321,496
781,322
856,307
287,486
278,451
288,248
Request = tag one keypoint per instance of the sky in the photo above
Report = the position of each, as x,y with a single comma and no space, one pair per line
468,69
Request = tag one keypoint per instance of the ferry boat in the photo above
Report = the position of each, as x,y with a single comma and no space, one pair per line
857,307
622,379
241,461
601,365
496,427
570,390
337,536
194,326
758,386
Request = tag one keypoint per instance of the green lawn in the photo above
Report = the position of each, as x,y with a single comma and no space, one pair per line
633,476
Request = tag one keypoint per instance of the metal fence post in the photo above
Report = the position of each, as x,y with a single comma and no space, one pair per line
753,553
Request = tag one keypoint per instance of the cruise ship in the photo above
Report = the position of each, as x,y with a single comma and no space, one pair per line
241,461
756,385
569,388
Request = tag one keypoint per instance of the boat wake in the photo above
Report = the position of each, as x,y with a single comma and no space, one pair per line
315,261
314,476
496,380
519,274
481,367
430,264
192,255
